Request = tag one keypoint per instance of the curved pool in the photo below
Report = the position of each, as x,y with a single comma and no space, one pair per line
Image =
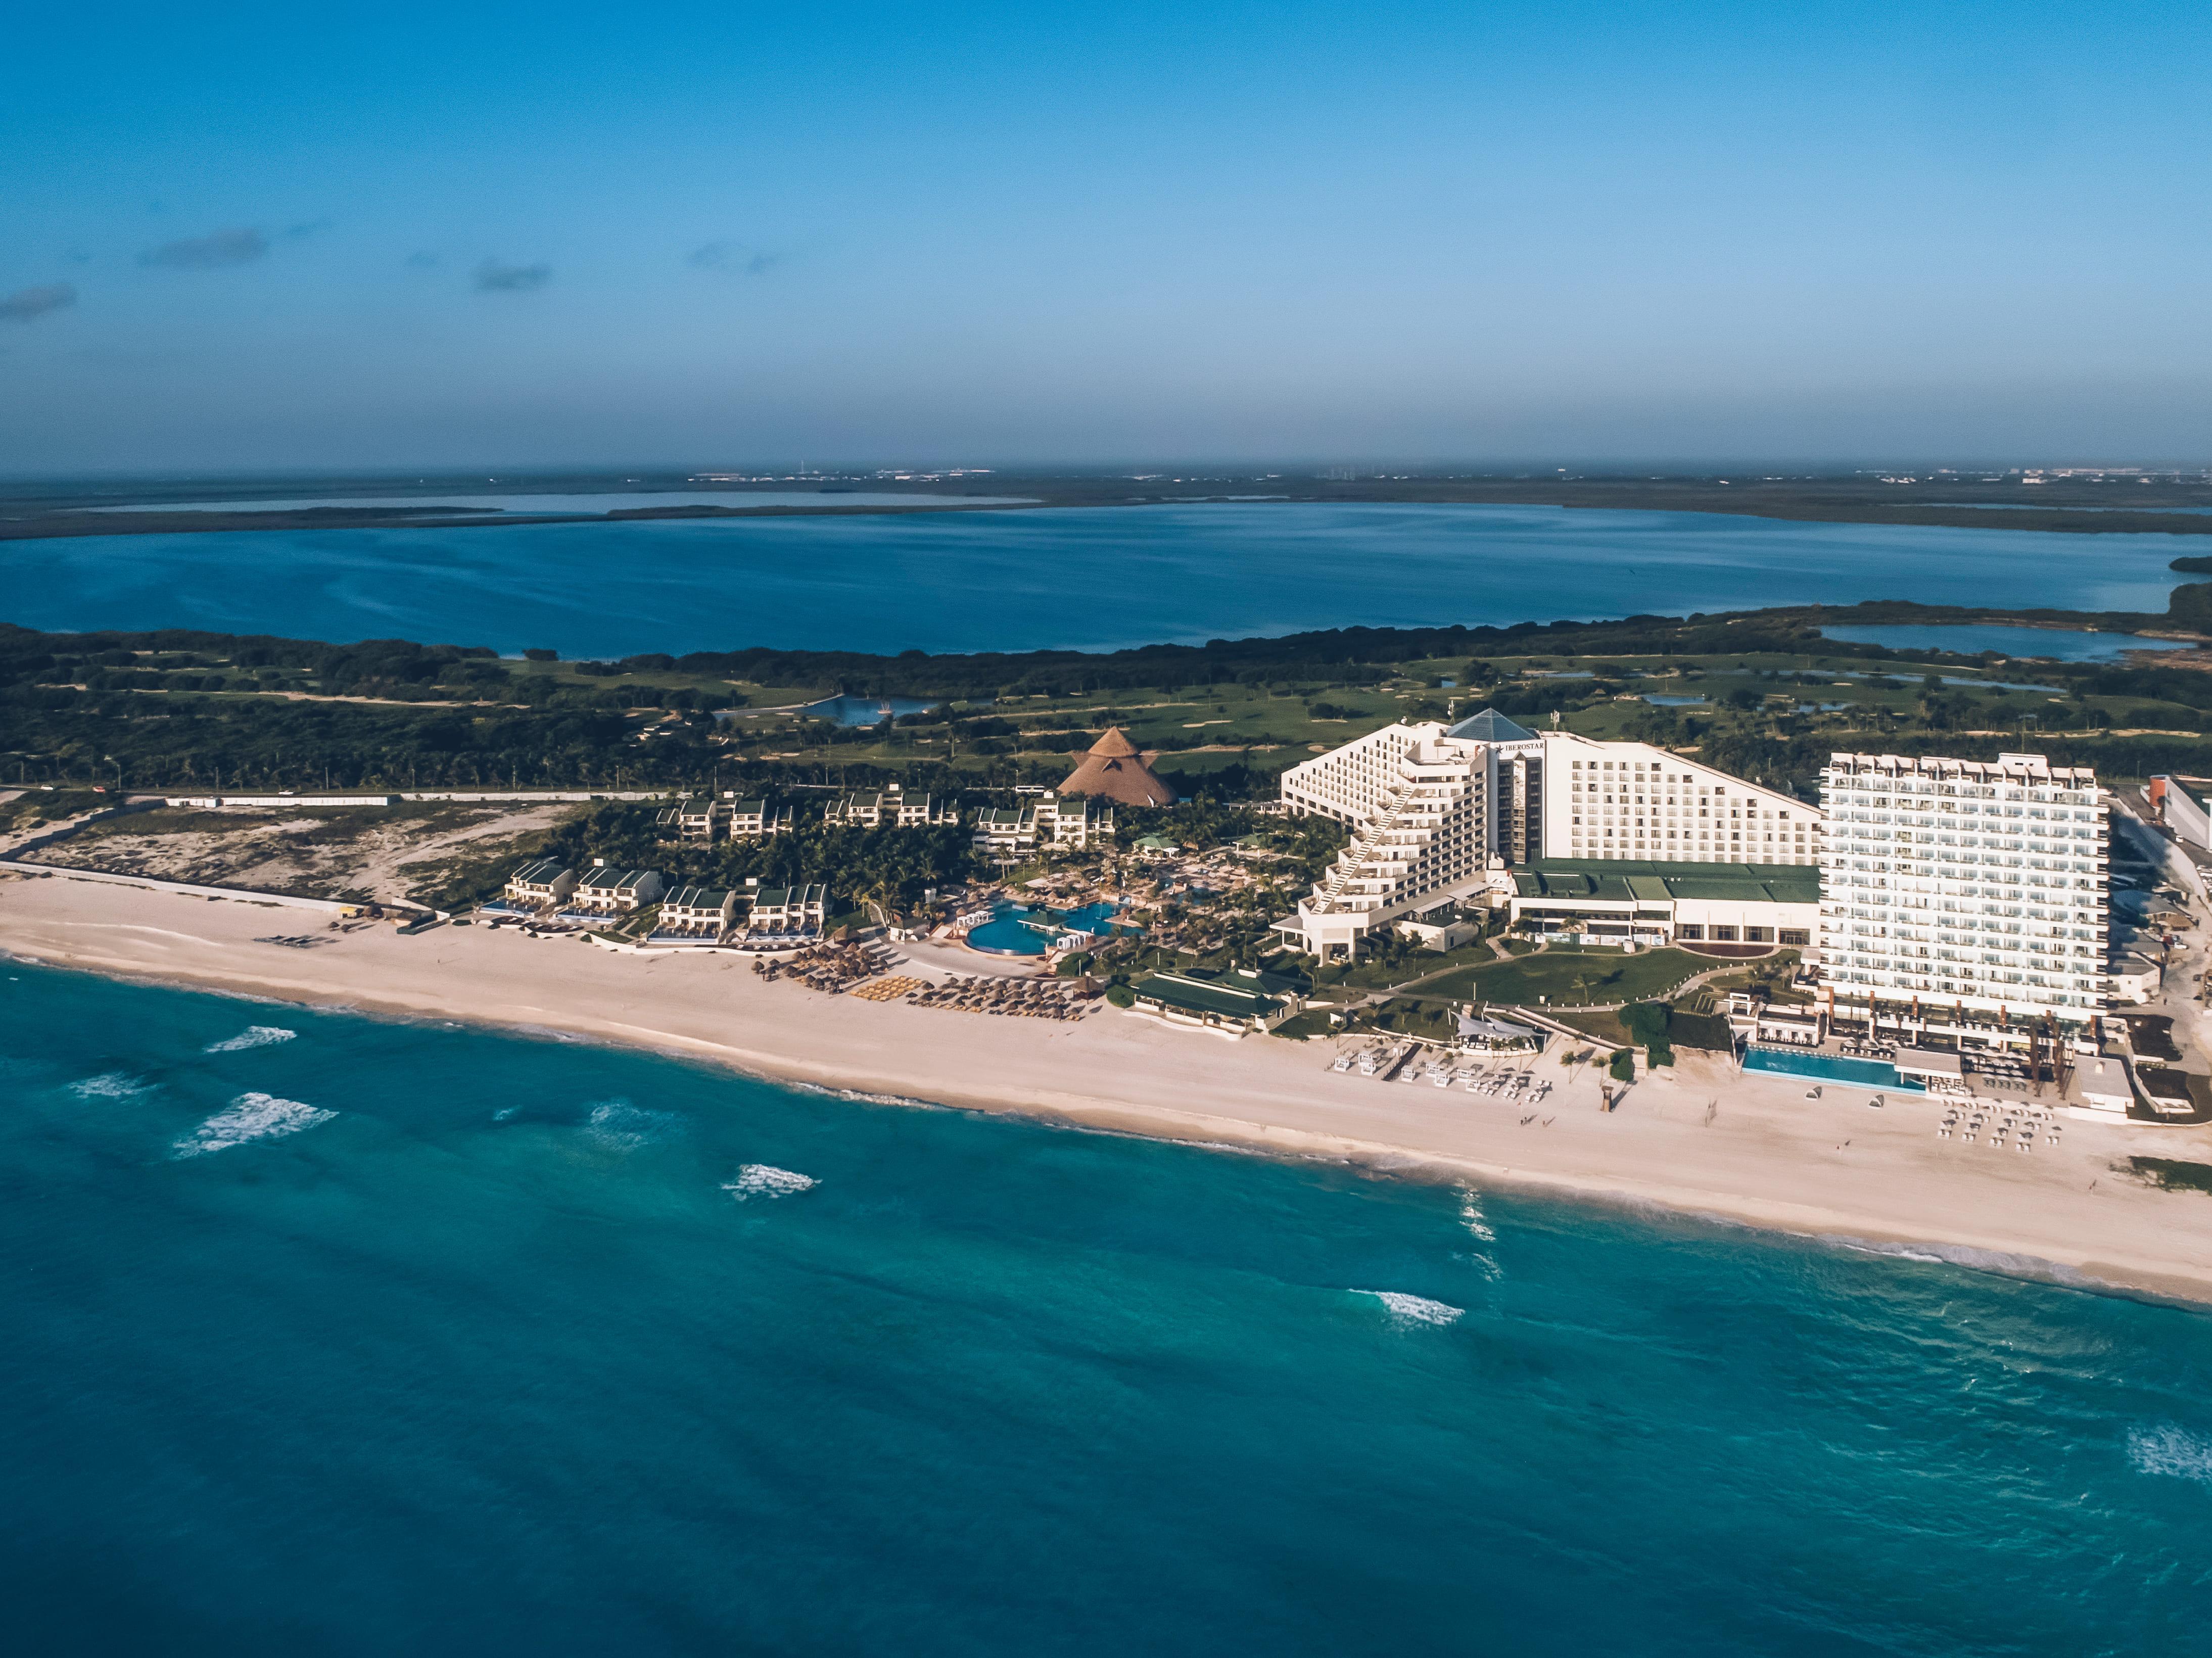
1015,930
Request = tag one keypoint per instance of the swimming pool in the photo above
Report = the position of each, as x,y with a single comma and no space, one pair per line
1831,1067
1015,930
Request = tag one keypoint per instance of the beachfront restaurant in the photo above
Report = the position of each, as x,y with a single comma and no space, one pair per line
1622,902
606,893
1234,1004
693,915
787,915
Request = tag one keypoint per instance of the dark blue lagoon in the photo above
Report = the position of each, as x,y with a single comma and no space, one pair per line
1024,580
325,1336
1970,639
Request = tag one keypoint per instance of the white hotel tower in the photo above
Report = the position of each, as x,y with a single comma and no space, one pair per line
1435,809
1959,885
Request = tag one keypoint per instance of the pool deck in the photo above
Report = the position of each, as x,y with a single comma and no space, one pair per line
948,958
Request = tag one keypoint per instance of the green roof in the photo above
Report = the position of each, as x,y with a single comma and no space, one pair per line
696,898
1623,880
1203,996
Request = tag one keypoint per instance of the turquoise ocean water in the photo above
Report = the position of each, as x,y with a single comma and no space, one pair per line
322,1335
1092,578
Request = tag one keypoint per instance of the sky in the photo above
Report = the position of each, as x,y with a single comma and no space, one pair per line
336,238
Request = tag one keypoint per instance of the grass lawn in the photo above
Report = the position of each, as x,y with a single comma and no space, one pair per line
1606,976
1381,975
1606,1026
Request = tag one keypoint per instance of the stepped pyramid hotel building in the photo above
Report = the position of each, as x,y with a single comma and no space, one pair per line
1625,838
1964,893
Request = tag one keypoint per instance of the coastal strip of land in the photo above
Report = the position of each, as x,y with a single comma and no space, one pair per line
2170,504
1703,1141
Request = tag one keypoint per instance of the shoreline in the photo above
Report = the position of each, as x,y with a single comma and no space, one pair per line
1676,496
1826,1172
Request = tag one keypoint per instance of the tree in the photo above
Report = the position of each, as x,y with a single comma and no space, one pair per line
1648,1022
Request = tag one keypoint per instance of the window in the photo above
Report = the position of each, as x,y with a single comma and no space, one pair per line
1691,930
1759,935
1724,935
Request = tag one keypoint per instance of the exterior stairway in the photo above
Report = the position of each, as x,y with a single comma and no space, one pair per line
1368,849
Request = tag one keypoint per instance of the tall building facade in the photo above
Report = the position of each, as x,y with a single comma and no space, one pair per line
1433,809
1966,887
1631,800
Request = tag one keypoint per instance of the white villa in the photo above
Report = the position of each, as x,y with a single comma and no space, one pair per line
540,882
696,912
751,820
1070,821
787,912
1075,821
605,890
892,806
1006,831
1440,812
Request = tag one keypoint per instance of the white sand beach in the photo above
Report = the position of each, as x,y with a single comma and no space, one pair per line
1705,1140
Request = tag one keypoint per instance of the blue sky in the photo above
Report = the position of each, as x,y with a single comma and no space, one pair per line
560,234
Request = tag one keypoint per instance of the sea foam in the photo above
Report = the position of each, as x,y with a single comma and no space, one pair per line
254,1036
1471,1217
762,1180
2170,1450
621,1126
251,1117
1406,1310
108,1085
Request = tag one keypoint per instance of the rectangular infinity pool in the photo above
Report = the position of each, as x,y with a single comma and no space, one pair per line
1830,1067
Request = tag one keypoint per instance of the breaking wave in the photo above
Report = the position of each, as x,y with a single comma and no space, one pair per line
1471,1217
1405,1310
2169,1450
251,1117
108,1085
254,1036
762,1180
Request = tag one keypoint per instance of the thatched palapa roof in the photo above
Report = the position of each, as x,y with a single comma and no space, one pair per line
1116,768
